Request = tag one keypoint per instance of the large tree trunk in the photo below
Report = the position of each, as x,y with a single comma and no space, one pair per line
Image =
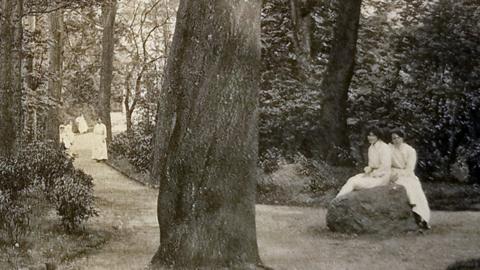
10,74
337,78
55,66
206,138
109,11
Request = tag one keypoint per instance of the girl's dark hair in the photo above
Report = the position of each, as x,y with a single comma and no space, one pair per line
378,131
398,131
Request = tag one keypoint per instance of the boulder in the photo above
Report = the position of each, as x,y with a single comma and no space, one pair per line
379,210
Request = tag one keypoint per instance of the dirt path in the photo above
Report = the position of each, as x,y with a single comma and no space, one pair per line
126,208
289,238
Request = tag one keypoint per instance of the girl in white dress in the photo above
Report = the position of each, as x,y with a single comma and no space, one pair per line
377,173
81,124
99,151
404,160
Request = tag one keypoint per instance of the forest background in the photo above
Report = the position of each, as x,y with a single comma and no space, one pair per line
411,64
414,64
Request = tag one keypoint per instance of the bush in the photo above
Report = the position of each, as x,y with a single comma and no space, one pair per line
14,177
322,176
14,216
270,160
14,187
42,167
135,146
44,162
73,197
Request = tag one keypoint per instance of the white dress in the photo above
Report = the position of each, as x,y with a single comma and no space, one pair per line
69,133
81,124
99,151
64,137
404,159
379,161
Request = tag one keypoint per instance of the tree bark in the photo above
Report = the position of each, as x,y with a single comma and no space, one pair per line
18,55
131,106
126,102
55,66
11,31
206,138
337,78
30,80
109,11
302,21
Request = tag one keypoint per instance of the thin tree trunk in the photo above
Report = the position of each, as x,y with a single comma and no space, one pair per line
126,102
337,78
31,83
302,20
35,125
166,30
11,31
18,110
55,69
206,138
128,116
106,74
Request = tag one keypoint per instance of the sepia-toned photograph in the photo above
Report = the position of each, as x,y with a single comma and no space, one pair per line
239,135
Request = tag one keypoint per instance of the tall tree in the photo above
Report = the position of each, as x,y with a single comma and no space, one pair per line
55,66
338,76
140,32
206,138
109,10
11,29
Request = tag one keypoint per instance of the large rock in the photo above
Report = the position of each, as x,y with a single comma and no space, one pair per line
381,210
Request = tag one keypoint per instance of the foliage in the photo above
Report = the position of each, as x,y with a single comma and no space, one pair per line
14,187
145,30
14,216
44,162
73,197
81,56
433,88
417,67
43,167
290,100
270,160
136,146
13,177
323,177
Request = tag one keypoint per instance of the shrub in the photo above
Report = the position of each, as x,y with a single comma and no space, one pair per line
14,177
42,167
73,198
270,160
120,144
135,146
321,174
44,162
14,216
14,187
